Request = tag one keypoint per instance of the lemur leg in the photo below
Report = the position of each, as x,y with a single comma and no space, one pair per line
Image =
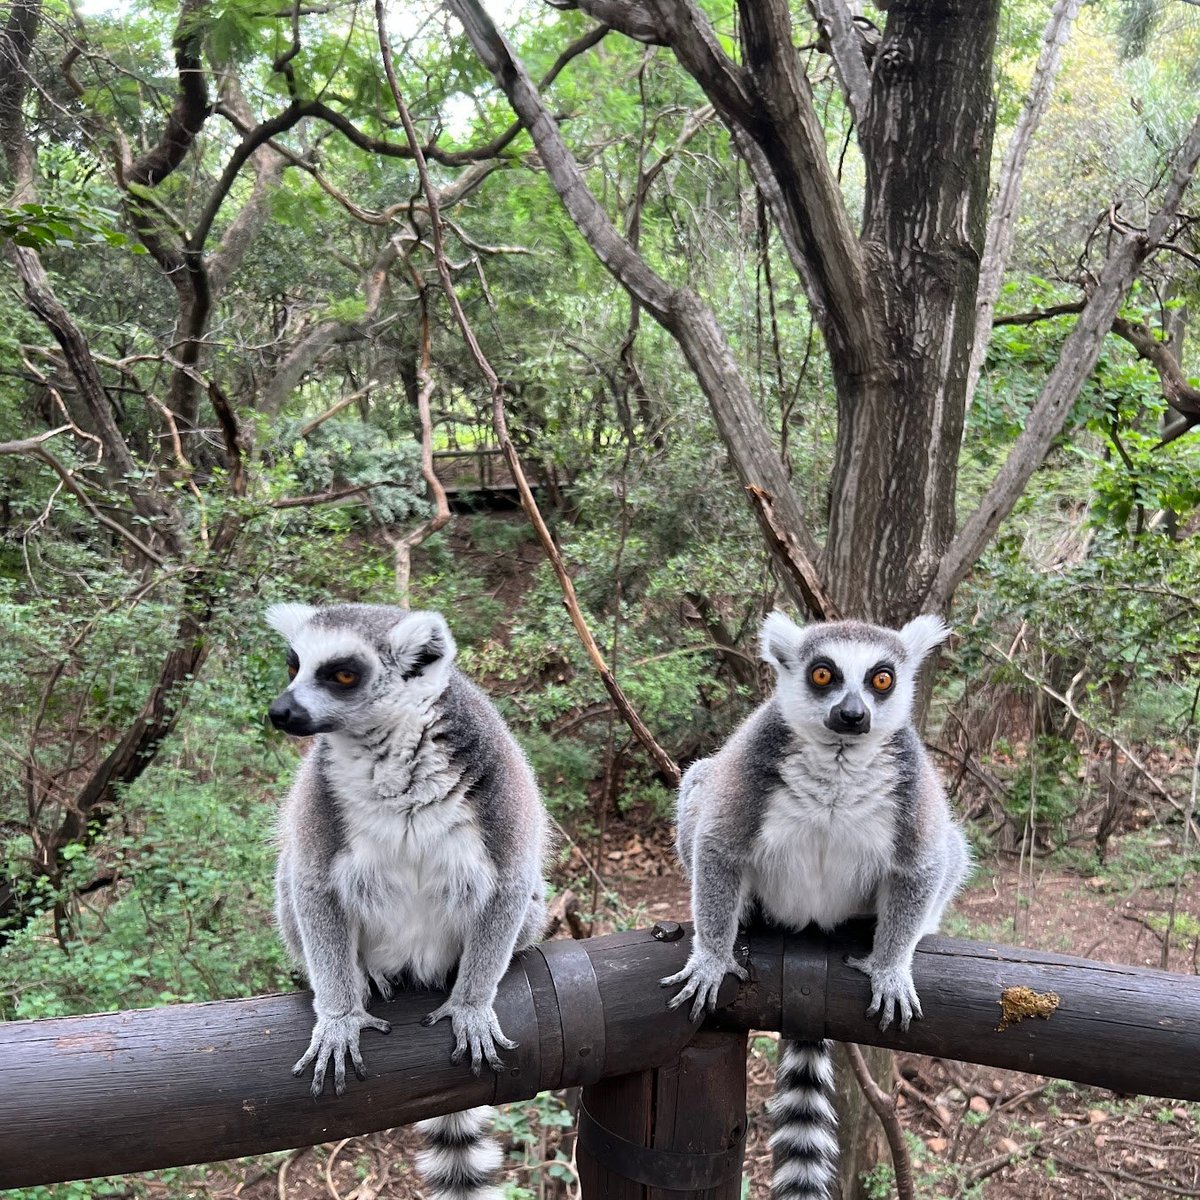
339,986
903,907
486,954
716,903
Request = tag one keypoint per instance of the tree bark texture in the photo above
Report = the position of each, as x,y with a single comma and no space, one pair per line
926,141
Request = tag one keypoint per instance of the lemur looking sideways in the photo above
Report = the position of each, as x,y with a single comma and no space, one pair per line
411,847
822,806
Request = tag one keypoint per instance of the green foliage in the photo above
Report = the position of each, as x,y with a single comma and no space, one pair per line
186,916
42,225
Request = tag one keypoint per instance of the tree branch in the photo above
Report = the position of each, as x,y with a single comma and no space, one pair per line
885,1109
190,110
680,311
34,447
846,49
666,765
1075,363
1003,222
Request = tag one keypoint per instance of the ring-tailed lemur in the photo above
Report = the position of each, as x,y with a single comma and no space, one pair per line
821,806
410,844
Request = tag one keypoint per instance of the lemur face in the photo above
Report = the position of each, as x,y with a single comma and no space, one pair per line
846,679
354,666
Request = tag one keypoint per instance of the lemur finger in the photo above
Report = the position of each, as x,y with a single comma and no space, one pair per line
702,1004
678,977
305,1059
356,1057
339,1070
380,1024
684,994
498,1033
322,1060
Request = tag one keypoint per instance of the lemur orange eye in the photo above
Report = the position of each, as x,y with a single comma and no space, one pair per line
821,676
345,678
882,681
293,670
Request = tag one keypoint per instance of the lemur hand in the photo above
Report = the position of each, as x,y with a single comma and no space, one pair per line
702,978
332,1039
476,1028
892,988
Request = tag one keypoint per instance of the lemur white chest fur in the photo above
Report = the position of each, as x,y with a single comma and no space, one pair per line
826,837
413,870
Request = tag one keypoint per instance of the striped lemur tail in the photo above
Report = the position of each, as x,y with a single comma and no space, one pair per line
461,1156
804,1144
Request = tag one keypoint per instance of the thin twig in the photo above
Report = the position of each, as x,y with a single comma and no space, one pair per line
1133,760
666,765
336,408
885,1109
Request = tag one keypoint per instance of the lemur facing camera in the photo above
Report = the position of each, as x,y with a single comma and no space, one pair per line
823,805
410,847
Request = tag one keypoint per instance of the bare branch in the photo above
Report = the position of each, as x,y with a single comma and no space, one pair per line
1075,363
846,49
634,20
190,111
885,1109
1003,222
336,407
1176,390
331,496
34,447
403,547
662,759
679,310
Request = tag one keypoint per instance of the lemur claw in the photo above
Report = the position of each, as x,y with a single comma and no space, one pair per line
332,1039
702,978
476,1028
892,992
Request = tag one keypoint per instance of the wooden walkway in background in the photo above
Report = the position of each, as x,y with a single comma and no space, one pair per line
480,478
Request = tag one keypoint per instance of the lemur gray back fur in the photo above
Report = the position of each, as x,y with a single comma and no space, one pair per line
411,846
823,805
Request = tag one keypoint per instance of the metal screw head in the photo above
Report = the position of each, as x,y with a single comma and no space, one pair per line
667,931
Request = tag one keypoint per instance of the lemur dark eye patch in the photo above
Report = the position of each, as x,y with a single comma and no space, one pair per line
341,673
881,679
822,673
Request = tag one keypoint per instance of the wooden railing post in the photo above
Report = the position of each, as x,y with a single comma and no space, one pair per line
674,1131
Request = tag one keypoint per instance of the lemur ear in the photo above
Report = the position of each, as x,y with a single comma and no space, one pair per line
779,640
289,619
422,642
922,633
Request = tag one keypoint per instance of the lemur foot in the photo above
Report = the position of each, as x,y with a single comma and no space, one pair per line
892,990
332,1039
702,979
383,985
476,1028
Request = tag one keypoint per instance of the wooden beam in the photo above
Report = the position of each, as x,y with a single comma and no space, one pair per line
133,1091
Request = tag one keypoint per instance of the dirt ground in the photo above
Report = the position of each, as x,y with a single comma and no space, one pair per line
974,1132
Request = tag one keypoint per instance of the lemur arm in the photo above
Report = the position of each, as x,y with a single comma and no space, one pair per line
903,903
338,983
487,951
716,901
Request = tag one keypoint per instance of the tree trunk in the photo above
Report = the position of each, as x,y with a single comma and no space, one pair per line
927,143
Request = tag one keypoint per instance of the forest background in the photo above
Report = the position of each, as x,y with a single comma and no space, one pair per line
232,343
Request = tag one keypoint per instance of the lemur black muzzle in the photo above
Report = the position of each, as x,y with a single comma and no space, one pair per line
292,717
849,717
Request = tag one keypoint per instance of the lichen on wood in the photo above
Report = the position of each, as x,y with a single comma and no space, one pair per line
1017,1003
